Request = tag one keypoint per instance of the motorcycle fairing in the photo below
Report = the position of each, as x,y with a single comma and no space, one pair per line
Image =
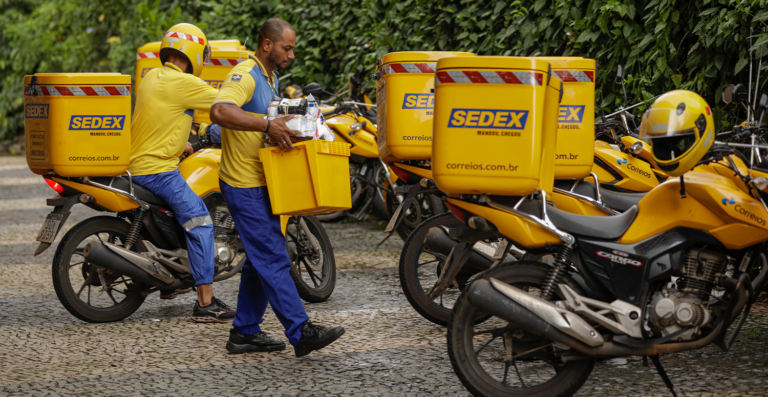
627,270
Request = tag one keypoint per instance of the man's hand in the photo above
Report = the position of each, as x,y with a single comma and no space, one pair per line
281,134
188,150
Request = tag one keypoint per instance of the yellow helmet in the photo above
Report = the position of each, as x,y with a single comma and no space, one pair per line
189,42
681,130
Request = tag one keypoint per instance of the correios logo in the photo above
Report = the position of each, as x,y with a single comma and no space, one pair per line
743,211
633,168
619,257
488,118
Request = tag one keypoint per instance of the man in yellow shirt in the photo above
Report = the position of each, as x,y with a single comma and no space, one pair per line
239,109
165,102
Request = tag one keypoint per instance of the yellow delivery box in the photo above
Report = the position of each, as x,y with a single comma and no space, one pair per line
310,179
405,102
78,124
575,150
495,125
225,54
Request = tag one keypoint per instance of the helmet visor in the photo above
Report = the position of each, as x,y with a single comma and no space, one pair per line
207,54
664,122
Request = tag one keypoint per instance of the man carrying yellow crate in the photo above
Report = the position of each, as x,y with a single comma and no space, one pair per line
240,108
165,102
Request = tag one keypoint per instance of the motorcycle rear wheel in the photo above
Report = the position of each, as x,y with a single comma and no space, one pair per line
77,282
480,363
420,269
313,273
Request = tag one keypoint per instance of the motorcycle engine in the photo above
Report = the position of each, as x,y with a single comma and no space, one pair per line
224,237
686,305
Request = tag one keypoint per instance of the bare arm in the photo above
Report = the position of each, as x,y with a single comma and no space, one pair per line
233,117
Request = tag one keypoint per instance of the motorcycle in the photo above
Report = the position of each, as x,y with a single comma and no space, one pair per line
105,266
669,275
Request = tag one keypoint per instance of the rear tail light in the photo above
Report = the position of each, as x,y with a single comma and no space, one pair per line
456,211
400,174
54,185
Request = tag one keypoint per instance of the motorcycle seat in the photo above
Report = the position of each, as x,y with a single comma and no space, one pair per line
139,191
602,227
615,200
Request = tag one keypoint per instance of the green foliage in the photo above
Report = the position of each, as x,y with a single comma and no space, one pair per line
663,44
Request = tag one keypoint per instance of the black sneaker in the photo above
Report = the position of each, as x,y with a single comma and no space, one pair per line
216,312
240,343
315,337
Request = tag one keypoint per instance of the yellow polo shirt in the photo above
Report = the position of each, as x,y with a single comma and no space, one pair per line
247,86
165,103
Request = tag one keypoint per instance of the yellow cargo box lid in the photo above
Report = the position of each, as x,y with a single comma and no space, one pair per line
420,56
563,63
80,79
149,47
493,62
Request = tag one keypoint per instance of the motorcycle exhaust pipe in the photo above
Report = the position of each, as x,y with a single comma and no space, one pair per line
437,240
483,296
99,254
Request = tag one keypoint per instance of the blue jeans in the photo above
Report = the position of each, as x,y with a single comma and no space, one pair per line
192,215
265,277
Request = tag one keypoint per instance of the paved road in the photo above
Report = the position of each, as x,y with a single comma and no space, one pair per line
388,348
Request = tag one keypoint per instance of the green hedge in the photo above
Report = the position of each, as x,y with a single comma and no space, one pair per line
664,44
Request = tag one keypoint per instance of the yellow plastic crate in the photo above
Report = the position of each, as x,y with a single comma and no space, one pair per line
405,103
78,124
574,153
495,125
311,179
225,54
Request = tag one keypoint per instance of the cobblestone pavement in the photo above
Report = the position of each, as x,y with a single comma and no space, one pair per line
387,350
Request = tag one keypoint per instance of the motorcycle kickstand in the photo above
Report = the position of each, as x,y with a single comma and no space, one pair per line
663,374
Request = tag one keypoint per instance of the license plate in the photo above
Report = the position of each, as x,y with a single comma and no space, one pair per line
50,226
391,224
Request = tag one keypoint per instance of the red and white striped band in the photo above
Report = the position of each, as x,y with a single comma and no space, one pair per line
186,36
488,77
409,68
581,76
49,90
225,62
141,55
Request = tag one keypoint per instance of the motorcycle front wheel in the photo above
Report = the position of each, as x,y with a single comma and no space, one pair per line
78,284
480,354
313,266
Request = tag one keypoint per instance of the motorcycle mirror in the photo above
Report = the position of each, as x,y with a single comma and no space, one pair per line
728,94
740,94
312,89
620,74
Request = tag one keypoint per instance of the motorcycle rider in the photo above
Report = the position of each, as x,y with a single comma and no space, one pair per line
165,103
239,109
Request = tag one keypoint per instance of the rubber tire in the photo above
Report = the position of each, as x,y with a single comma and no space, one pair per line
66,294
403,230
574,374
309,293
413,245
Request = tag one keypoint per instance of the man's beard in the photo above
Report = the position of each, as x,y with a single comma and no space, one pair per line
272,58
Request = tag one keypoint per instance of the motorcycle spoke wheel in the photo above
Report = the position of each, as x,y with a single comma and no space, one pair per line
89,292
314,273
497,358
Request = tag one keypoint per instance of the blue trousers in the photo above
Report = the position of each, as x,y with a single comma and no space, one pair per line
192,215
265,277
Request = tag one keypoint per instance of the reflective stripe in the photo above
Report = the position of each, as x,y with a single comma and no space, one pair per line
197,221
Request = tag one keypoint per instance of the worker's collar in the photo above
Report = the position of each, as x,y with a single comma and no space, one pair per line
172,66
263,69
